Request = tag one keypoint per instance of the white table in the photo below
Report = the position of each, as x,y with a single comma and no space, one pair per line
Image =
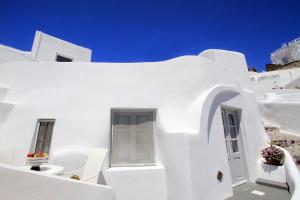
47,169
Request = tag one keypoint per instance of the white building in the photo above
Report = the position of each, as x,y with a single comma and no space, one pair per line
171,126
278,96
289,52
278,79
46,48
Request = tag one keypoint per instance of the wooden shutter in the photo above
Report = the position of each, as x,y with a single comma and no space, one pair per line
44,136
122,131
132,138
144,137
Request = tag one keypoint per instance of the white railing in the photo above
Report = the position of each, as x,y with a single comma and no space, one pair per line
292,175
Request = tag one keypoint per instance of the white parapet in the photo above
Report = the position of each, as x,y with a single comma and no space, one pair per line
292,175
271,172
29,185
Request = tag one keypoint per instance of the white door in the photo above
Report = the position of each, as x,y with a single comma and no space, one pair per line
234,146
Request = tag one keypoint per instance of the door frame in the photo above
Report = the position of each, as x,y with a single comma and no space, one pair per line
239,120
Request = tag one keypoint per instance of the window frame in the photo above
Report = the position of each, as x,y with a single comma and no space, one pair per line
37,133
135,110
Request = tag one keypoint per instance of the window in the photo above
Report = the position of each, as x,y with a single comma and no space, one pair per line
44,136
132,137
285,60
60,58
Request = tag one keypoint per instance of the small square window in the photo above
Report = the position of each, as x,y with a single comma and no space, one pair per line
60,58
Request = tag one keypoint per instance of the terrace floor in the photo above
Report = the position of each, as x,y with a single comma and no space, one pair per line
252,191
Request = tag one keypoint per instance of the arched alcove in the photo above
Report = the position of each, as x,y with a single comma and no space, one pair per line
215,97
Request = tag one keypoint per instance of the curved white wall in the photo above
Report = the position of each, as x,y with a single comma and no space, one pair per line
80,96
292,175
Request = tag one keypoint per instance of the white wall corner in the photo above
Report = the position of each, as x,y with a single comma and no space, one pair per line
36,44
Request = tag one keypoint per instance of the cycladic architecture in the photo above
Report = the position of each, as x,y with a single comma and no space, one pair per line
46,48
188,128
289,52
278,91
278,79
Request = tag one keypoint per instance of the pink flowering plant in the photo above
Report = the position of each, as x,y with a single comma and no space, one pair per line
273,155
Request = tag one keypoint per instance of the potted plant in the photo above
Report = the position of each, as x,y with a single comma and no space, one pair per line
273,155
35,160
270,165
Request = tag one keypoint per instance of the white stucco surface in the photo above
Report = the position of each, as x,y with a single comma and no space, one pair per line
8,54
46,47
292,175
16,184
281,114
271,172
128,180
187,93
264,81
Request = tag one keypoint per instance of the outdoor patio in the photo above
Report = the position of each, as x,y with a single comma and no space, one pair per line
252,191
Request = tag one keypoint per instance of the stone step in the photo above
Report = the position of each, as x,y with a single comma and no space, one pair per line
273,184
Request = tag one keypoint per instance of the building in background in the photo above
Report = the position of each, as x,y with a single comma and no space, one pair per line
289,52
278,89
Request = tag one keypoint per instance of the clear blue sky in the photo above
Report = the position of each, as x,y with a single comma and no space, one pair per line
143,30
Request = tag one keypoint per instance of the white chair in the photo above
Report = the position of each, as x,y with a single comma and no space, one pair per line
6,156
92,168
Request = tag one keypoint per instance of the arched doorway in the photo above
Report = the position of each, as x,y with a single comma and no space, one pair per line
215,99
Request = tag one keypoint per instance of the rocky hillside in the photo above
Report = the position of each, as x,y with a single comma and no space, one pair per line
287,141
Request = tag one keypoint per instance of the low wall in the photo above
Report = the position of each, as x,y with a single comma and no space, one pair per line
292,175
17,184
271,172
145,183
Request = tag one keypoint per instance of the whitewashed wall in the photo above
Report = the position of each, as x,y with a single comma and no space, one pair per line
46,47
270,81
187,93
16,184
8,54
284,115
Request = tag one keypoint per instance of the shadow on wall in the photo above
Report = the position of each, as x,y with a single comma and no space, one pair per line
172,153
218,100
34,137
